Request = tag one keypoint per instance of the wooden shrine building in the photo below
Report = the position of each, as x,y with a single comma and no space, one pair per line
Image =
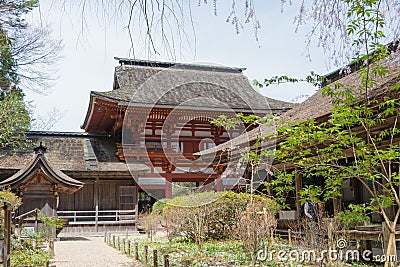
318,108
160,114
139,140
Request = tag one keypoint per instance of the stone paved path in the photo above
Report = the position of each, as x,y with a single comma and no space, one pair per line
87,251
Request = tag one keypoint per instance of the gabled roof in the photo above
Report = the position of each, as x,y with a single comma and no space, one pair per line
40,164
165,84
175,84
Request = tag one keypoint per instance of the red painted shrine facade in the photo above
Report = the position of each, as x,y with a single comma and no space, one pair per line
161,112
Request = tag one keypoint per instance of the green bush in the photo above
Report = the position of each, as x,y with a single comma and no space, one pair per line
354,216
25,253
158,206
29,257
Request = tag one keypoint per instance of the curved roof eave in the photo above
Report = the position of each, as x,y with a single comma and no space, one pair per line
53,173
89,112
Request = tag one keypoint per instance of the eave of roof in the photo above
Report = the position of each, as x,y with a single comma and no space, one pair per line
89,112
192,86
187,107
65,134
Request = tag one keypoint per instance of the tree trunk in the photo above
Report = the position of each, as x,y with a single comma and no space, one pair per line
389,245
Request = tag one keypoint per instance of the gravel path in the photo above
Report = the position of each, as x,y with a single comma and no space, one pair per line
82,251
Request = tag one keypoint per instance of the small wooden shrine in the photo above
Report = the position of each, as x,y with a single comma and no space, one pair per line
39,184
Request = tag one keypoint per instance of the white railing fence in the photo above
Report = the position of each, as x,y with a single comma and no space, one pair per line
99,217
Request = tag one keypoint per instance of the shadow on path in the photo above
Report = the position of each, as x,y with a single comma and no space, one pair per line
74,238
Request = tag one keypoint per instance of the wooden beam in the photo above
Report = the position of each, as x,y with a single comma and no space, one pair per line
96,201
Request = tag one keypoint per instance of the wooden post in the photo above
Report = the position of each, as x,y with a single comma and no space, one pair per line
166,260
136,199
105,237
129,247
155,258
7,234
36,221
51,247
168,185
388,238
366,244
136,251
146,249
289,236
337,205
96,192
113,241
124,245
271,239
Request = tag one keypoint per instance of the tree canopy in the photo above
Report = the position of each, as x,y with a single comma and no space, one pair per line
27,58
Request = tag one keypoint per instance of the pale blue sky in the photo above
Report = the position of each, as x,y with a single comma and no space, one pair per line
87,60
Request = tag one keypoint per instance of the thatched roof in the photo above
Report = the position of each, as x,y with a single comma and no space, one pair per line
317,106
71,153
172,84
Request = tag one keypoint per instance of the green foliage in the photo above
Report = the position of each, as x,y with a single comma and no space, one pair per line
224,121
14,120
51,222
359,139
179,250
314,79
24,256
354,216
12,20
310,192
158,206
27,252
8,196
14,117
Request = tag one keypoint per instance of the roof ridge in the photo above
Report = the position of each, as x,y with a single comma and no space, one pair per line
165,64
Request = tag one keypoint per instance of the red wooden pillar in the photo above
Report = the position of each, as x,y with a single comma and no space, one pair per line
168,168
168,186
218,185
168,130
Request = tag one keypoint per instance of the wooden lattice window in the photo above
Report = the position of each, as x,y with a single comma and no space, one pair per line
127,197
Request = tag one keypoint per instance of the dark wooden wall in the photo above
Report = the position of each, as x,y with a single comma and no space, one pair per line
109,196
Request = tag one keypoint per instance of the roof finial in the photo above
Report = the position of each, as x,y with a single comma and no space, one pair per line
40,149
